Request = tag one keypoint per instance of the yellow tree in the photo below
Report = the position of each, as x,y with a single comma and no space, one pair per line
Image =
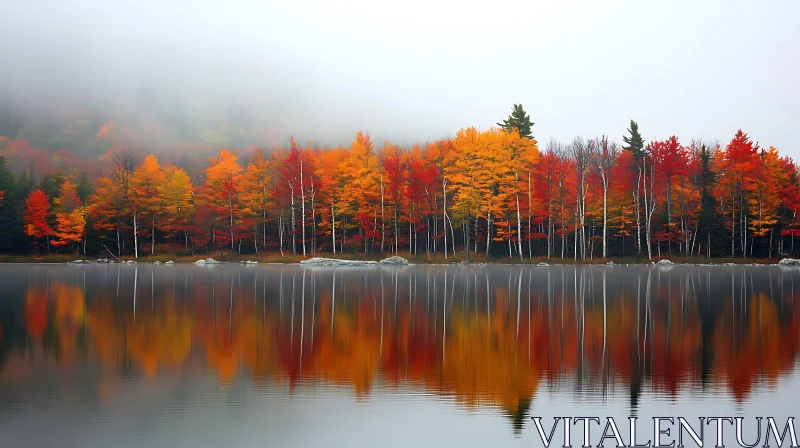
362,166
466,171
176,208
255,192
523,156
219,195
146,187
335,177
764,188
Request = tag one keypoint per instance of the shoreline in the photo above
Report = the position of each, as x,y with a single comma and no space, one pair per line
363,260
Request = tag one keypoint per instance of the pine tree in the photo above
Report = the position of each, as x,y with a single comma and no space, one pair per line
9,228
518,120
634,142
709,218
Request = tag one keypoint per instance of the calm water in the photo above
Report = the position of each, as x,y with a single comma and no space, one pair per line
196,356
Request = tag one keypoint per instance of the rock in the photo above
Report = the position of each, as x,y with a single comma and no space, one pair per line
78,262
610,263
789,262
170,262
319,261
665,263
101,260
394,261
156,262
250,262
208,261
130,262
542,265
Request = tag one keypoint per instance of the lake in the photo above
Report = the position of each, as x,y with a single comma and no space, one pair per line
271,355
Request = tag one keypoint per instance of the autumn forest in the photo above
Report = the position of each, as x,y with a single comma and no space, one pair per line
482,194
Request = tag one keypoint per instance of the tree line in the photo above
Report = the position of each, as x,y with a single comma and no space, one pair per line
487,193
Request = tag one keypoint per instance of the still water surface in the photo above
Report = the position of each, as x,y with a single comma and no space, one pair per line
208,356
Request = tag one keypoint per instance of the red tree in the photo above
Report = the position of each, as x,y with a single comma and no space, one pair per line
36,214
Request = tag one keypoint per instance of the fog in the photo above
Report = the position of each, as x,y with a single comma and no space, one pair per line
411,72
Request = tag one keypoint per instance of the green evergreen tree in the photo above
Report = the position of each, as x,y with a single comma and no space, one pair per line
518,120
9,230
84,188
51,185
709,222
634,142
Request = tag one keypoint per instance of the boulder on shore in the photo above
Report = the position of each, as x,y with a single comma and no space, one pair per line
394,261
170,262
542,265
78,262
789,262
665,263
320,261
208,261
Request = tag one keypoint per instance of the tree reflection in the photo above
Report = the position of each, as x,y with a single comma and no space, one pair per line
437,330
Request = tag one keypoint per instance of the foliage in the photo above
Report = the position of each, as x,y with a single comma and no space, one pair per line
484,192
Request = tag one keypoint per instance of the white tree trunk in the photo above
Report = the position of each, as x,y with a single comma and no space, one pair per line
135,237
650,206
294,222
636,195
530,219
230,203
303,207
264,214
280,232
383,217
519,221
488,231
605,215
444,213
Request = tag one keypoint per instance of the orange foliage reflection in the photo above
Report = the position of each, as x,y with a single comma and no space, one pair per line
479,341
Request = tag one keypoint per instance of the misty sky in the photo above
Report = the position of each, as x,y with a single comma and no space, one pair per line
419,70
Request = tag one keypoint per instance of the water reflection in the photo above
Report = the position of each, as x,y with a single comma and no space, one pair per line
483,336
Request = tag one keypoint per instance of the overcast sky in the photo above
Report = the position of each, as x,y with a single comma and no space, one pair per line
420,70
